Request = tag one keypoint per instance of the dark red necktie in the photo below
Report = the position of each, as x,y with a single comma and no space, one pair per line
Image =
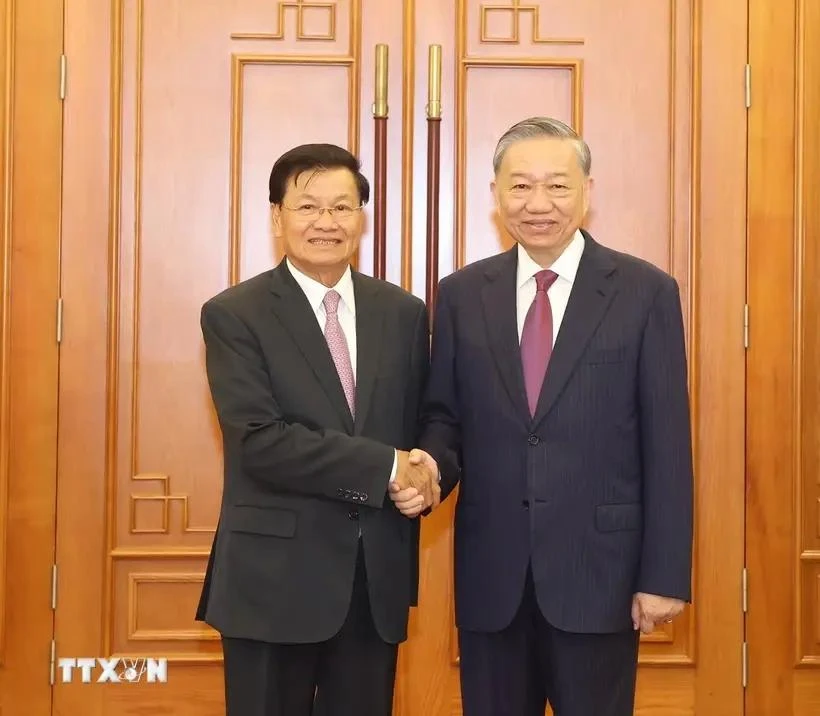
536,338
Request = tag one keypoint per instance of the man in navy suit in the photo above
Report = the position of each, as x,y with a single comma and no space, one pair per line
557,398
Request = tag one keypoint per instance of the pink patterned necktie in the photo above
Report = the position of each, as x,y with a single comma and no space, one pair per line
536,338
337,343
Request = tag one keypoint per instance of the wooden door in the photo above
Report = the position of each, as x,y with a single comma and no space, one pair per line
668,159
175,111
783,414
30,125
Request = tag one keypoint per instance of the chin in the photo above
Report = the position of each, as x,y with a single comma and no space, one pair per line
542,242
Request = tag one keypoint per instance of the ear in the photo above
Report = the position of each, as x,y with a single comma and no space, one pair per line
494,191
276,220
589,182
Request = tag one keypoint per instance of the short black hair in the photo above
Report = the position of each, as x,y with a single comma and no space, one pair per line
314,157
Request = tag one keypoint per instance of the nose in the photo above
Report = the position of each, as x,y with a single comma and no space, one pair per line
325,220
540,201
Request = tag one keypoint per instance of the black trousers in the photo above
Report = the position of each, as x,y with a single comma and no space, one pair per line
517,671
352,674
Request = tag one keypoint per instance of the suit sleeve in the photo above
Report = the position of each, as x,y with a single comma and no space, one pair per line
440,423
666,558
286,457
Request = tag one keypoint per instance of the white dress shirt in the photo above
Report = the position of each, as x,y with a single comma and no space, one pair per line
315,293
566,266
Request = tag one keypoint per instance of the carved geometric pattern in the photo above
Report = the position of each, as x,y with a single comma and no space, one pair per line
300,6
136,633
515,11
663,634
164,499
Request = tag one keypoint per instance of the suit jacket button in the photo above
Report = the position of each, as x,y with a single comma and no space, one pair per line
353,514
533,440
363,497
525,504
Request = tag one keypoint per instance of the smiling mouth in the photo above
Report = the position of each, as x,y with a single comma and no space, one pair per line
324,242
544,224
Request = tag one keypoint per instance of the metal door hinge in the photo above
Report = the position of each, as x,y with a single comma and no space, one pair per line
53,587
748,85
746,325
63,75
745,665
53,663
59,320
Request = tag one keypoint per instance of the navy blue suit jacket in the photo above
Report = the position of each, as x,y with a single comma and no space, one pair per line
595,491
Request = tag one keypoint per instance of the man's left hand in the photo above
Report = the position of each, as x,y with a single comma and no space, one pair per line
408,500
648,610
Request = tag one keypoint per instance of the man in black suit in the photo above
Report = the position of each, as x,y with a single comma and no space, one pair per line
558,399
316,372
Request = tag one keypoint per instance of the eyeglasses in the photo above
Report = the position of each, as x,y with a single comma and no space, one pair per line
554,190
340,212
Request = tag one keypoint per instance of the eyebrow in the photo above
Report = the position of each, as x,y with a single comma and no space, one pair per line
553,175
336,198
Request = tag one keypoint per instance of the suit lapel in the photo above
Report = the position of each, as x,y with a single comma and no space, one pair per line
295,314
369,319
592,293
499,300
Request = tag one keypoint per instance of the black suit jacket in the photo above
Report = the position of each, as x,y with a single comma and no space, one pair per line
301,476
595,490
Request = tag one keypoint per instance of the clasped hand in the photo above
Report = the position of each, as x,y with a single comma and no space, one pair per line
416,487
649,610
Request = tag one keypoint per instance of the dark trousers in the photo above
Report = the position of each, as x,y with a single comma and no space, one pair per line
352,674
517,671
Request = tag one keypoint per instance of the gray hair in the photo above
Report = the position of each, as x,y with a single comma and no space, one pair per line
542,127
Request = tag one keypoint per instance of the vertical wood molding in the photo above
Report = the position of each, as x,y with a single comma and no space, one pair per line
6,168
113,337
717,256
772,402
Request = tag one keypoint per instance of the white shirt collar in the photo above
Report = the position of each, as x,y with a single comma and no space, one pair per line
566,265
315,291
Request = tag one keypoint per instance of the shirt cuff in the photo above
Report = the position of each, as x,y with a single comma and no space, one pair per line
395,465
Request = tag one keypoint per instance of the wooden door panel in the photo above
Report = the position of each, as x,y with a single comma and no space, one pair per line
30,128
165,205
633,93
783,413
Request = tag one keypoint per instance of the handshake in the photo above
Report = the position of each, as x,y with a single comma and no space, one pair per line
416,486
